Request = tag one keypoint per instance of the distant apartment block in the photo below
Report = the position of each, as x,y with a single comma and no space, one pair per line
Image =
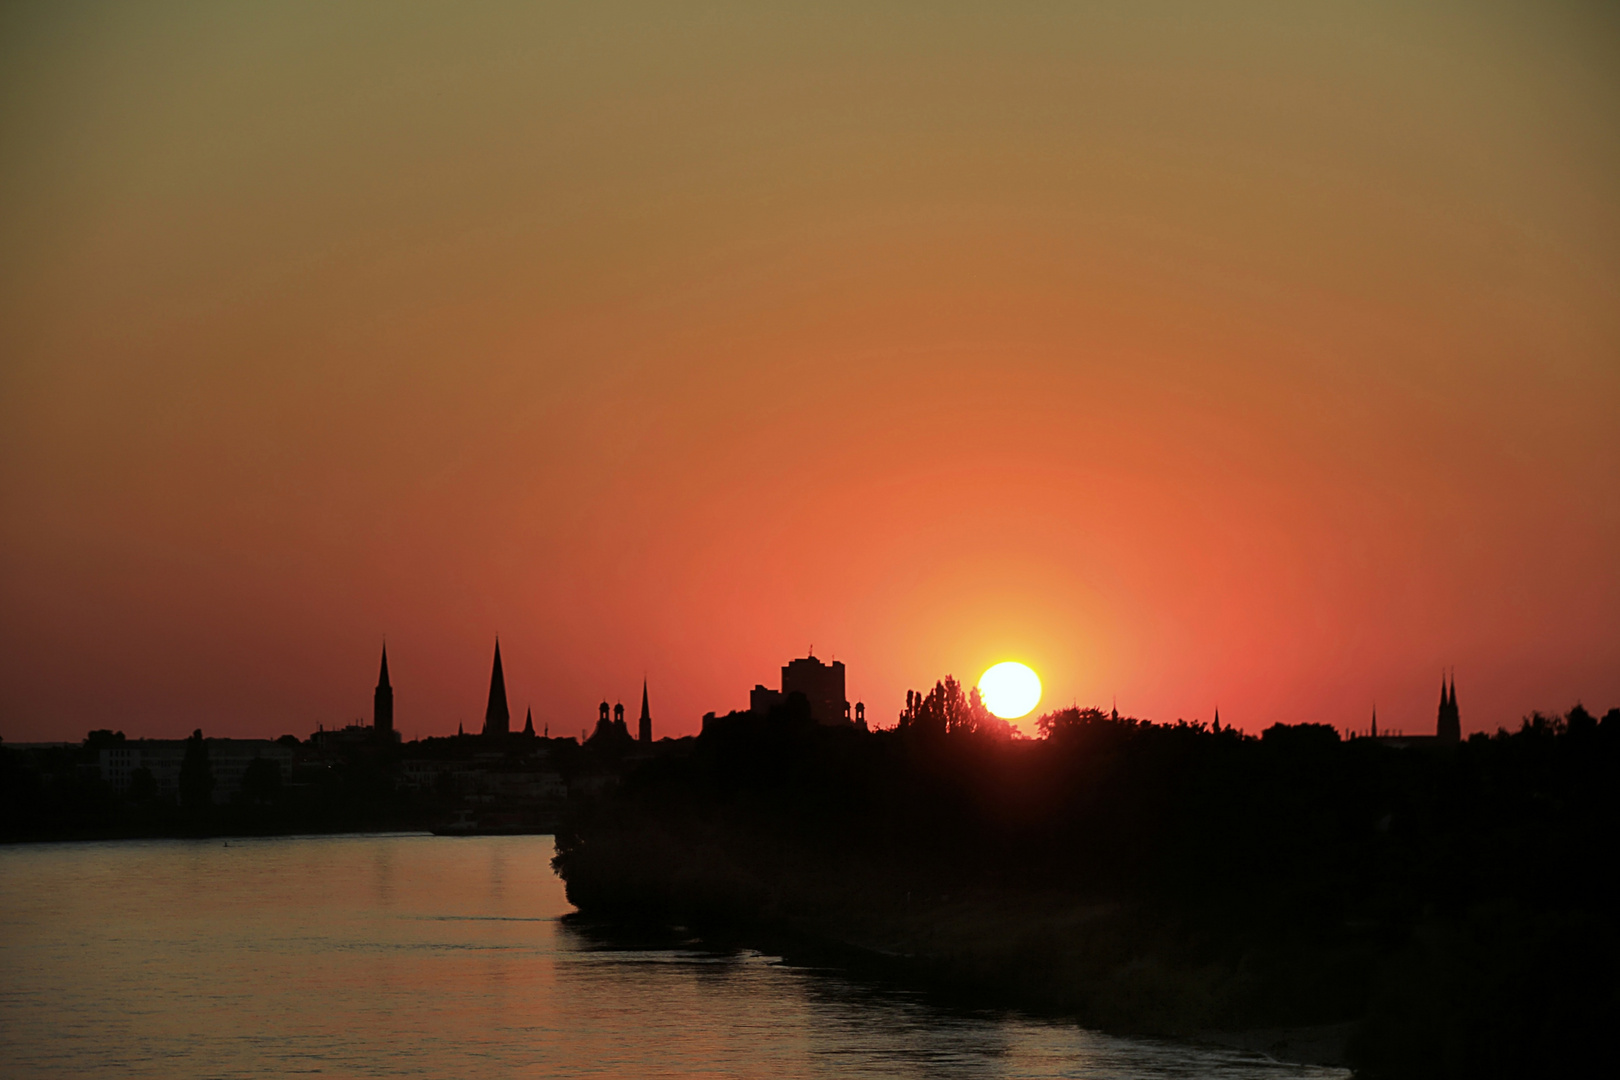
821,684
228,759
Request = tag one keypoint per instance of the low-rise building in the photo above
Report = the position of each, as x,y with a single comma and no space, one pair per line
228,759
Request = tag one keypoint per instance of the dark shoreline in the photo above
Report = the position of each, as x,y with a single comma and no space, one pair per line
1320,1044
279,834
1431,912
102,837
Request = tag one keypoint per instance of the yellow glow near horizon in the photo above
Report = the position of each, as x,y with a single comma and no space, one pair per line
1010,689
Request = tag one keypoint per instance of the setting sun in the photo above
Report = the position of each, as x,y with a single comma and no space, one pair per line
1010,689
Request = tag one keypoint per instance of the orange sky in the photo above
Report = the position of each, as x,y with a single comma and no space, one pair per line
1268,359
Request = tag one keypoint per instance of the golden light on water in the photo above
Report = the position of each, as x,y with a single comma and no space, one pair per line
1010,689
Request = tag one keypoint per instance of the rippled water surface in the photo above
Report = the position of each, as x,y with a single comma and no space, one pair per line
422,956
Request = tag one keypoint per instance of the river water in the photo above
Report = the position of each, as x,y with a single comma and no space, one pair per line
393,956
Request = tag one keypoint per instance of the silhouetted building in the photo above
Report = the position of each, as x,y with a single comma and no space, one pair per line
644,725
1448,726
497,718
610,728
528,724
821,684
228,760
762,700
382,703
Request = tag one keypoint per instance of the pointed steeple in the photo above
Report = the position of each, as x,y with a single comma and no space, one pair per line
497,718
1217,720
644,728
528,724
1375,722
1448,728
382,702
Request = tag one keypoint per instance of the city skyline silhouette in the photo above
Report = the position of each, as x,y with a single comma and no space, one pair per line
1245,357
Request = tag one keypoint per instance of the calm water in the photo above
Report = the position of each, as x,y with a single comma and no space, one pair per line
420,956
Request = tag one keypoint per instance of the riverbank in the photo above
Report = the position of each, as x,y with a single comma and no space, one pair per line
1435,913
1108,965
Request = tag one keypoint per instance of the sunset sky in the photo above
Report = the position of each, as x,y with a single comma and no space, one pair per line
1266,358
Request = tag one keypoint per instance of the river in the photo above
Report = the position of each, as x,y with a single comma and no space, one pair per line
406,956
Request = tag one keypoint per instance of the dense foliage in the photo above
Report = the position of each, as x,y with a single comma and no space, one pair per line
1456,901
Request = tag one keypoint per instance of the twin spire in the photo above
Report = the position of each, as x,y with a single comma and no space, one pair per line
1448,725
1448,698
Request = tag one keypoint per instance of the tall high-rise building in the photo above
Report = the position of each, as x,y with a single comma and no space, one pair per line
497,718
821,684
644,727
382,702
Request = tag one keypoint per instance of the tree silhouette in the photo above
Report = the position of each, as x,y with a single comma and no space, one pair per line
945,710
196,776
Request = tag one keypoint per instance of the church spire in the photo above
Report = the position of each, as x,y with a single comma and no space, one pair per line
644,728
528,723
497,718
382,702
1448,728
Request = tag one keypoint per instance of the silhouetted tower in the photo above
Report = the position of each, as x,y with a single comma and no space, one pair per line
497,718
382,703
822,686
644,725
1375,722
618,721
1448,727
860,715
528,724
1217,726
